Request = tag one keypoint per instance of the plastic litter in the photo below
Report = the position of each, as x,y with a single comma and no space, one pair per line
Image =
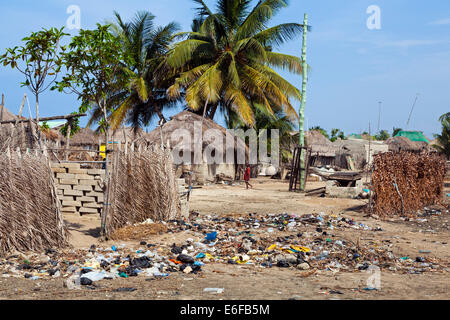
214,290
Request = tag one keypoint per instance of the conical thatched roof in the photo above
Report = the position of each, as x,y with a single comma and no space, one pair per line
6,115
319,144
184,122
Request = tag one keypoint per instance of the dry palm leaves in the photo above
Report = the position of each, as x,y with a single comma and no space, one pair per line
404,182
143,186
30,218
138,232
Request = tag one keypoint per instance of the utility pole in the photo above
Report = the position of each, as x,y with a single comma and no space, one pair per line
412,109
302,107
379,115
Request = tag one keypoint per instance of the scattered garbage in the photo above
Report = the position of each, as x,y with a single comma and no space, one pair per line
304,242
124,289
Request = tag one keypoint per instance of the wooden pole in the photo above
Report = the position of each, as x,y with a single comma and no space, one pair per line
2,106
69,129
66,117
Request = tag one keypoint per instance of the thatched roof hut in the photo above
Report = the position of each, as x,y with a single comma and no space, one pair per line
22,135
85,137
186,120
398,143
6,115
127,134
175,133
319,144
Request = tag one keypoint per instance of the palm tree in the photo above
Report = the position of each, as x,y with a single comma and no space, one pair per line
144,97
443,139
226,61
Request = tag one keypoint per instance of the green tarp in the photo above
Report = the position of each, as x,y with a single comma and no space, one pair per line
413,136
355,136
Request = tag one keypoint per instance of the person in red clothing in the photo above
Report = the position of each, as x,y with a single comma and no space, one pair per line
247,176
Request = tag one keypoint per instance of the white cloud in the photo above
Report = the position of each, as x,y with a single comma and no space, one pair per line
409,43
440,22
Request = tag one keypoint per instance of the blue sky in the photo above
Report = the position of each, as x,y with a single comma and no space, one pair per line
353,68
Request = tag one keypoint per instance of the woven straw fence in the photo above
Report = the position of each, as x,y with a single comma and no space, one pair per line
405,182
143,186
30,216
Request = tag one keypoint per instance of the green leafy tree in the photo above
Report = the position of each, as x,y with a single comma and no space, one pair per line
94,63
321,130
382,135
74,126
39,60
226,61
44,127
337,134
443,139
143,97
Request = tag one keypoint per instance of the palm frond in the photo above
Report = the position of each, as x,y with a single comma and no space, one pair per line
279,34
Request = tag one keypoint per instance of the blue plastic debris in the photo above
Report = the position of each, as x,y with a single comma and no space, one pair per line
211,236
114,248
200,255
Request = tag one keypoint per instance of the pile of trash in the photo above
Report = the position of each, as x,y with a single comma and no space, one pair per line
300,242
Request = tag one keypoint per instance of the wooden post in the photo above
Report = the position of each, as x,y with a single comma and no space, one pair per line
69,128
2,106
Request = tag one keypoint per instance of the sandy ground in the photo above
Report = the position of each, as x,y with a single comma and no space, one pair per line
248,282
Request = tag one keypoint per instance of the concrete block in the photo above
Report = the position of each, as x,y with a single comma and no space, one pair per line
94,194
65,176
67,198
97,188
88,182
68,181
87,210
59,192
75,193
78,171
69,209
71,204
96,172
82,188
86,199
64,187
59,170
92,205
55,165
84,177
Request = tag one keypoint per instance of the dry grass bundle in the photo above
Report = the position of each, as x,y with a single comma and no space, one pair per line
404,182
22,135
143,186
138,232
30,217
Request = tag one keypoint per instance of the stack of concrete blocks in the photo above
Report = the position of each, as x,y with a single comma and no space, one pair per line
182,191
79,190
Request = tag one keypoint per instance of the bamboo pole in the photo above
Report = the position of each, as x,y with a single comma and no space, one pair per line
303,104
